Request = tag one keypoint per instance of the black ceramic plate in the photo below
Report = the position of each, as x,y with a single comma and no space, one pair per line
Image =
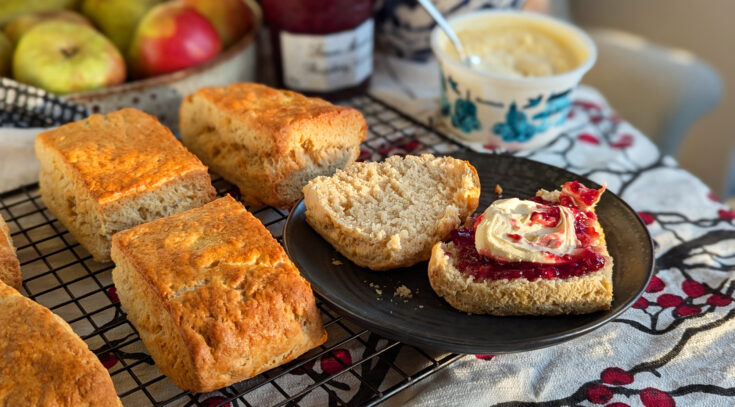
426,320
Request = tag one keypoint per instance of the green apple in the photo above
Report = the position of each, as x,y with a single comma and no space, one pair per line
6,55
64,57
22,24
231,18
117,19
9,9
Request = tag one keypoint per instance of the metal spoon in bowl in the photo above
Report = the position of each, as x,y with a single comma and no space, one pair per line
467,60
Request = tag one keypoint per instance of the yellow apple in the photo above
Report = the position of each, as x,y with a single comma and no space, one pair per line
9,9
231,18
64,57
6,55
117,19
22,24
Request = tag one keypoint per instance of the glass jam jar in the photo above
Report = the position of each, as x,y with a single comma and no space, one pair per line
322,47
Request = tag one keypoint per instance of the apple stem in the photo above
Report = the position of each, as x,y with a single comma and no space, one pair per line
69,52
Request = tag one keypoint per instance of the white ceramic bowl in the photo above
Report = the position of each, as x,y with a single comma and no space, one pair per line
516,113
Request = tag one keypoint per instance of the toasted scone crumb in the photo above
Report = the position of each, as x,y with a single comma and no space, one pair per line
498,189
403,291
336,262
421,306
379,292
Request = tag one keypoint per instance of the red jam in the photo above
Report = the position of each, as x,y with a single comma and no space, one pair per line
584,260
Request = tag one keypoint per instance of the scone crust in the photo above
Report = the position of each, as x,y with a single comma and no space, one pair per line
238,304
278,113
358,244
43,362
120,154
9,264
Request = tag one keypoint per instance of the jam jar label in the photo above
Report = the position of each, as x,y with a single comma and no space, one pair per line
327,62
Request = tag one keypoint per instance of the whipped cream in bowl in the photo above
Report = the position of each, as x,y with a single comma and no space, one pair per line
517,230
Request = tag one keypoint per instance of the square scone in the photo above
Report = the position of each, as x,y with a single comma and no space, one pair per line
110,172
269,142
213,296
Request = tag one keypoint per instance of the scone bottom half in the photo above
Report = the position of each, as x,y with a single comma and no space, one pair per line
387,215
524,267
214,296
269,142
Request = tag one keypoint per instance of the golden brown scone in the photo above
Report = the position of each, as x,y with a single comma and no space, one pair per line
574,295
43,362
110,172
390,214
9,264
214,296
269,142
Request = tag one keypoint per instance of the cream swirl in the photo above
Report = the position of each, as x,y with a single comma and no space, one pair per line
521,230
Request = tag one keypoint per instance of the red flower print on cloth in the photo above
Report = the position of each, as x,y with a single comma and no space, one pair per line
726,214
713,197
588,138
336,361
669,300
651,397
617,404
641,303
646,217
693,288
598,394
305,367
719,300
364,155
485,357
616,376
625,141
409,145
586,105
215,401
655,285
108,360
688,310
112,293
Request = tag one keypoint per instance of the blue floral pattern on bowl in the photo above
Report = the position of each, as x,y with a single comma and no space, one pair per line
465,115
517,127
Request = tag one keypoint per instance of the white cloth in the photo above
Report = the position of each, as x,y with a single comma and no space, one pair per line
18,163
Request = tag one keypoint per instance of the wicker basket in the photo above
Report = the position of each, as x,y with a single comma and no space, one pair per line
162,95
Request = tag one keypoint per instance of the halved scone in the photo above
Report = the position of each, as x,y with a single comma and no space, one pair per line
388,215
544,256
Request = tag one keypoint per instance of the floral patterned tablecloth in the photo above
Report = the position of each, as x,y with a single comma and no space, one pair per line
676,345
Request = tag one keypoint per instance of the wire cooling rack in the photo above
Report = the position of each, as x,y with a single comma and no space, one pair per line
61,275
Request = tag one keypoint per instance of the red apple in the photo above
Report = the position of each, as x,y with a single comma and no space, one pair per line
231,18
171,36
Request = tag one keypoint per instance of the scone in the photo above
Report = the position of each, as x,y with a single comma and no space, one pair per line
43,362
390,214
9,264
213,296
269,142
544,256
110,172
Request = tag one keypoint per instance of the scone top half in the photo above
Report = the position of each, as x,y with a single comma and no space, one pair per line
214,296
109,172
269,142
388,215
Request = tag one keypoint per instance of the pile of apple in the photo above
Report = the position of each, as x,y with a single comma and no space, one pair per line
66,46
